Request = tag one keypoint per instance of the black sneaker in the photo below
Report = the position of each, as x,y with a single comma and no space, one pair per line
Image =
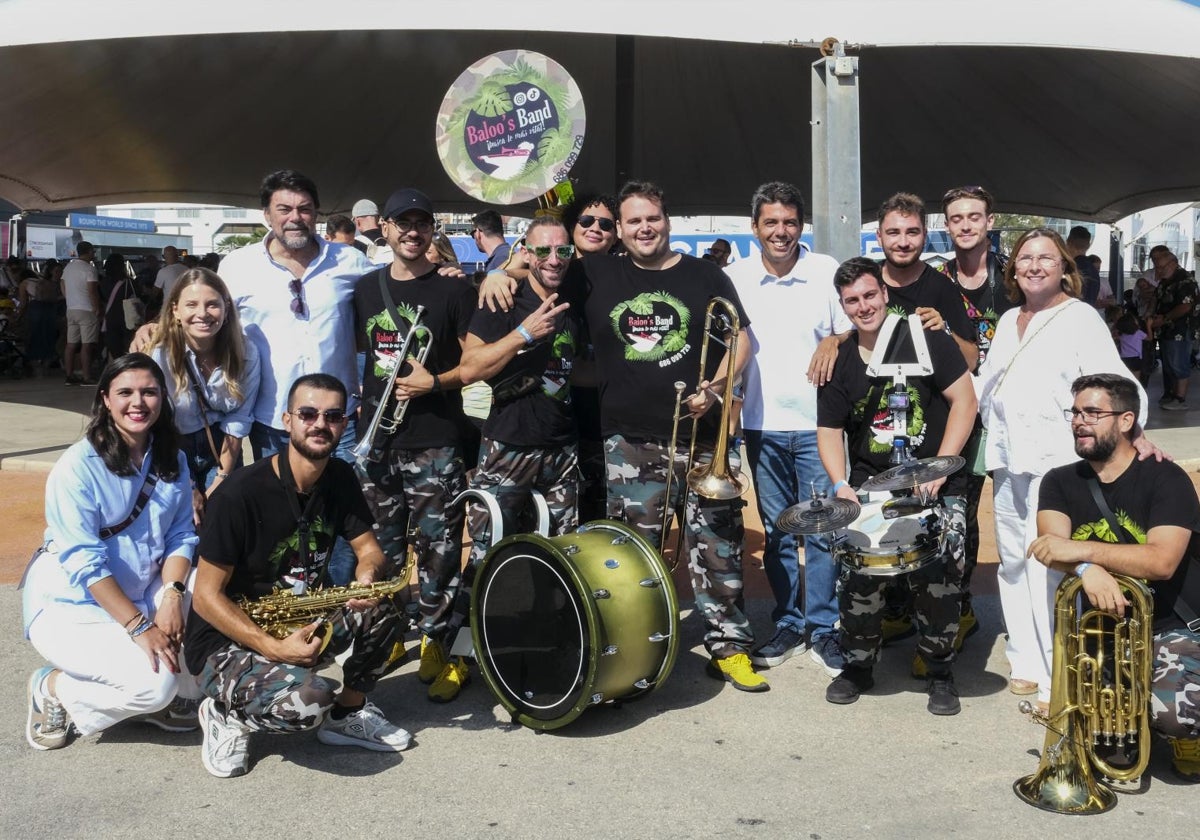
849,685
943,696
780,649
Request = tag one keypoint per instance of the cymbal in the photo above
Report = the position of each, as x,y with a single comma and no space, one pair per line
914,473
818,516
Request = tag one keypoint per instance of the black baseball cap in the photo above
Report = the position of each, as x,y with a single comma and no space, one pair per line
401,201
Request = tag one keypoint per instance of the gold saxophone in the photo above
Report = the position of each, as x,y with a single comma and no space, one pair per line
282,613
1100,694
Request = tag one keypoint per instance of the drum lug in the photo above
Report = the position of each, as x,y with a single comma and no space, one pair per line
612,563
650,583
621,540
659,637
609,651
601,594
571,550
596,699
643,684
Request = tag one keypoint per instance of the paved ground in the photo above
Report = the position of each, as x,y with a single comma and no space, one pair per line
695,759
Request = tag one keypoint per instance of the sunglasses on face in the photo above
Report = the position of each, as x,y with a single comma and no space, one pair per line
308,415
606,225
542,252
297,300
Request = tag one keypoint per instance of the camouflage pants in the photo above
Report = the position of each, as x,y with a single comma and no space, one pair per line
936,594
280,698
1175,684
413,488
713,533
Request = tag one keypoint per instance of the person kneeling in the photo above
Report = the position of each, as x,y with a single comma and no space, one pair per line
271,528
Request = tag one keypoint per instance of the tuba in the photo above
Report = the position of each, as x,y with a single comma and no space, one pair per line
1100,695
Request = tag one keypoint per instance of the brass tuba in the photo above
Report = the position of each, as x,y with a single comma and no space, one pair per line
1100,694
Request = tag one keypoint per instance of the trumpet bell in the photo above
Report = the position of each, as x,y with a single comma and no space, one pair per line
711,484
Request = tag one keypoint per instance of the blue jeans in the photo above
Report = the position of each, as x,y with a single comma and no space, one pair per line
1177,360
785,465
265,441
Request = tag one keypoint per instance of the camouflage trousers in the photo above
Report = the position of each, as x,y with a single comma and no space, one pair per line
279,698
712,529
1175,684
936,595
412,489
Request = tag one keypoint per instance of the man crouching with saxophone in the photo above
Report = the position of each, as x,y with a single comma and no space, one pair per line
271,528
1154,504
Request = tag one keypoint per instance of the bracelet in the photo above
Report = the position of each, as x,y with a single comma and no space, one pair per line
437,384
137,616
220,474
839,485
1081,568
141,628
525,334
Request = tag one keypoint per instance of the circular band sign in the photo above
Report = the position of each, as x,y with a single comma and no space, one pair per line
511,127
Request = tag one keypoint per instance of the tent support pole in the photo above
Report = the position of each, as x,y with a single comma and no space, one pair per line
836,156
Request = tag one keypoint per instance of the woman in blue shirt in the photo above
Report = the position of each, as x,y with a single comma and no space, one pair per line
104,597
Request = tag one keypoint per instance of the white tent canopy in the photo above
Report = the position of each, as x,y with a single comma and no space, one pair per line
1068,108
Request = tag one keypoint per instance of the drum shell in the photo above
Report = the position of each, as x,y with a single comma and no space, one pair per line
619,592
872,545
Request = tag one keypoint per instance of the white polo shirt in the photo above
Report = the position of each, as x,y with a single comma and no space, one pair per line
789,316
319,340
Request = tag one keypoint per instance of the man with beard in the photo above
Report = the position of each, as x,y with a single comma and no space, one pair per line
1152,515
272,526
940,414
413,474
790,295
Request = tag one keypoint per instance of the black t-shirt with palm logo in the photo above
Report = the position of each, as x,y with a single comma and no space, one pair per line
646,329
531,395
249,526
433,419
1149,494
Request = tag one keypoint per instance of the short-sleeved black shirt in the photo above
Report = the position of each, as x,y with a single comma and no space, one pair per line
1149,494
531,395
986,304
249,525
842,404
646,328
433,419
935,290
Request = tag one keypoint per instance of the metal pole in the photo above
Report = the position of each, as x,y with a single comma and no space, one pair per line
836,156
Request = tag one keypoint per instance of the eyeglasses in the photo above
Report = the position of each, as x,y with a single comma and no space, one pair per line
297,290
407,226
542,252
1089,416
1044,260
308,415
606,225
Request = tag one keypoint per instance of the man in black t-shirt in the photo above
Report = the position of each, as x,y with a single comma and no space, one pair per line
1155,504
415,473
941,412
272,527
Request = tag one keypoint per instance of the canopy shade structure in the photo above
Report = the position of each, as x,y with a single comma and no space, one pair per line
1083,110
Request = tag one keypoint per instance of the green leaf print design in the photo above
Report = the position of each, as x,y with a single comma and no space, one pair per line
1101,532
643,304
916,418
492,100
383,321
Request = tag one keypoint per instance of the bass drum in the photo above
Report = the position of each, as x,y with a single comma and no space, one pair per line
564,623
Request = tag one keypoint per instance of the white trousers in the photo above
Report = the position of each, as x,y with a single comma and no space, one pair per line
106,677
1026,586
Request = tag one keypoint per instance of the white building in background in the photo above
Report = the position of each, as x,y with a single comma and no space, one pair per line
205,223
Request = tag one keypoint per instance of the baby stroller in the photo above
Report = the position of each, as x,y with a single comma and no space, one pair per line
13,361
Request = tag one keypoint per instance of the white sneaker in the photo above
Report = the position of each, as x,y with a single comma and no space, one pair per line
366,728
226,743
180,716
47,724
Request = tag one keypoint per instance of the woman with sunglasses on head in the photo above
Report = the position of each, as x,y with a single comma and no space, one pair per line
104,597
212,378
1040,347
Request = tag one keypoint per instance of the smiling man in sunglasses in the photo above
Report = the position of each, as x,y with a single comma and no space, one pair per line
271,527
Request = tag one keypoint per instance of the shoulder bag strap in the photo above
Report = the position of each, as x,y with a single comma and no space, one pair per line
1106,511
138,506
202,404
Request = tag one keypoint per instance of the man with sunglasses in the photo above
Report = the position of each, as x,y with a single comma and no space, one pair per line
272,527
1153,514
418,470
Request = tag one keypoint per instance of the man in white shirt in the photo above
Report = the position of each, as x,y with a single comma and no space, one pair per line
795,316
170,272
81,288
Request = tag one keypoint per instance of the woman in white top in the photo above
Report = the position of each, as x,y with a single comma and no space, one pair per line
212,375
1039,349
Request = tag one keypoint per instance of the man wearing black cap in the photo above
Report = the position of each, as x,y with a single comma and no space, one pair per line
413,474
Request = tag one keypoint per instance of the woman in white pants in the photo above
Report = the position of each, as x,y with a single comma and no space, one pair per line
104,597
1039,349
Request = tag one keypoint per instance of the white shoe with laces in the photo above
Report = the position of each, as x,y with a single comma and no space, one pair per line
366,728
226,743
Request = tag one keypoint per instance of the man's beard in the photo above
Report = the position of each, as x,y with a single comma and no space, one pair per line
296,238
1099,448
309,453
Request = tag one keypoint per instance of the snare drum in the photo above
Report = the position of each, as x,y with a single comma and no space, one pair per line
875,545
564,623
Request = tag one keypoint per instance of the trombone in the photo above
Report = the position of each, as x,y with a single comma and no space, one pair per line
389,413
714,479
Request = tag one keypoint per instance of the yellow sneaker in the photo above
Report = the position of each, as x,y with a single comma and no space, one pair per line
397,657
968,625
897,627
737,671
1187,758
450,681
433,660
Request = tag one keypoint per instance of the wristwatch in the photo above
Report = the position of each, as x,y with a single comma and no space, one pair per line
177,585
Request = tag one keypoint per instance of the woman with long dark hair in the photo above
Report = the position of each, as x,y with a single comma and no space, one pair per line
104,596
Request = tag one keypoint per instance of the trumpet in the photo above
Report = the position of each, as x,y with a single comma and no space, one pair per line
713,479
389,414
1093,701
